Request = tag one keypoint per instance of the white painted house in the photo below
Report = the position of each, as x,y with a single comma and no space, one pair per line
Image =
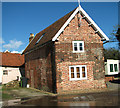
12,67
112,67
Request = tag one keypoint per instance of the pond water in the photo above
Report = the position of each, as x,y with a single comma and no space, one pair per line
75,100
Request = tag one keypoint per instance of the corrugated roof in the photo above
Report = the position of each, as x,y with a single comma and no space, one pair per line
12,59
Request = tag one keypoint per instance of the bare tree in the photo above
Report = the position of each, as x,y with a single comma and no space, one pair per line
115,35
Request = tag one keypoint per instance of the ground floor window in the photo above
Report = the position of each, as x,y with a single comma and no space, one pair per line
5,72
78,72
113,68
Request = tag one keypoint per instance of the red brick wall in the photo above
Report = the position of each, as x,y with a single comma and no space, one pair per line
48,66
92,57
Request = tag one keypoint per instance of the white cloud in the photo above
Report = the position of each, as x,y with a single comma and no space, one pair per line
1,41
13,44
17,52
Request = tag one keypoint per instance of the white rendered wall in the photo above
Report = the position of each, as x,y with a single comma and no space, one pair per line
12,74
1,74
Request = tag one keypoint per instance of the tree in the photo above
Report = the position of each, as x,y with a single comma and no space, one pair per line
118,36
115,35
111,53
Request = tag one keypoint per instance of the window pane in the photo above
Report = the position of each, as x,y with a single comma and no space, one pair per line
83,69
115,67
83,74
72,75
78,72
78,75
72,69
77,69
72,72
75,46
80,44
81,48
111,67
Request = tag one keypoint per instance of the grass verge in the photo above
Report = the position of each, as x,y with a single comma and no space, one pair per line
6,96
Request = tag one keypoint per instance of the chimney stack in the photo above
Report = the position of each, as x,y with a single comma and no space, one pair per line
31,37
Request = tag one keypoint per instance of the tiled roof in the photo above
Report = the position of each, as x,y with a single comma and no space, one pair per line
11,59
49,32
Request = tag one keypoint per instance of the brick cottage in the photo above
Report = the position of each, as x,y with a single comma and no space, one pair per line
67,55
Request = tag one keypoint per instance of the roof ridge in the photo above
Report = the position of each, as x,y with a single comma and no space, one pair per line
10,53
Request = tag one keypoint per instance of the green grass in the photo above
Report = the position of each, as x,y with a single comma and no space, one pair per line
7,92
18,92
8,88
6,96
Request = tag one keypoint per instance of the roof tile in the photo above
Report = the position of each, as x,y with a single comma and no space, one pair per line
12,59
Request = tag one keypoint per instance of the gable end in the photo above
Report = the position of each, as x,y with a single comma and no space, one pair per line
91,22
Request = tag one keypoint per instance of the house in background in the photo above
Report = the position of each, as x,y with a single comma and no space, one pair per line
111,69
67,55
12,67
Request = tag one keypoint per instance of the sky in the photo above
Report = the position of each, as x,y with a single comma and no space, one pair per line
19,19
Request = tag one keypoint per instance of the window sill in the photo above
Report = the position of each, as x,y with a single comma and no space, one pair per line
78,51
78,79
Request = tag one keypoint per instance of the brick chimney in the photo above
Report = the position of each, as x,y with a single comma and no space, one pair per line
31,37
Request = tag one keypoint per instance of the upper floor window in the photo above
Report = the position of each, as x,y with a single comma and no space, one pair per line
78,72
78,46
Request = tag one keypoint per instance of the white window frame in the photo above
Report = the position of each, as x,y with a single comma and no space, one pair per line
78,47
113,67
75,73
4,73
111,61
